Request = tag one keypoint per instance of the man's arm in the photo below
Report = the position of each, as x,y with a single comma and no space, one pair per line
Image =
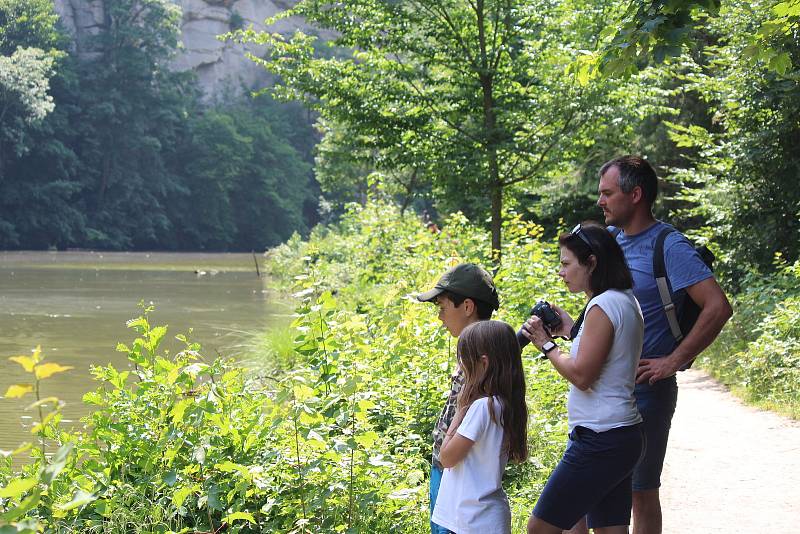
715,310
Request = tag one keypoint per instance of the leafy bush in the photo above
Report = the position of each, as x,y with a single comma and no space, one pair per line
759,351
334,437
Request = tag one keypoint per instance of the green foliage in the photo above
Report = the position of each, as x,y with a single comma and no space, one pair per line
338,439
28,24
738,177
651,31
24,82
110,149
25,492
466,99
250,185
759,352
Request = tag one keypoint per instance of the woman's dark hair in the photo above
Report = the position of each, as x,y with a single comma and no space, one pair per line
504,379
611,270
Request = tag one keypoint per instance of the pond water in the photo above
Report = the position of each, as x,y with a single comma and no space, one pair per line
75,305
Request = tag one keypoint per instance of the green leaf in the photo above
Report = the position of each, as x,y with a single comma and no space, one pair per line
787,9
57,464
230,467
367,439
24,507
180,495
179,409
42,402
17,487
245,516
781,63
170,478
80,498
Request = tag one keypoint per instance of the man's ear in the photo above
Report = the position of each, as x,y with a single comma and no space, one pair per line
637,195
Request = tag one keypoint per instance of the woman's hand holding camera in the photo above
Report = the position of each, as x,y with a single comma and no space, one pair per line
535,330
566,323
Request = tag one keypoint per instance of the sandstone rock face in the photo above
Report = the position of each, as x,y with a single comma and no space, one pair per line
222,68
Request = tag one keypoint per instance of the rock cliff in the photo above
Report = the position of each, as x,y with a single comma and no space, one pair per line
220,66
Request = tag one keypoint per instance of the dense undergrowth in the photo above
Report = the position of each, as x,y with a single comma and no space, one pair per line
758,353
334,434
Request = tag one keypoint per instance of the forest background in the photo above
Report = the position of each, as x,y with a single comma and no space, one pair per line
491,116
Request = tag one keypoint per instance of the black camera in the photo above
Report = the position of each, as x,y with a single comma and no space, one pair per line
547,314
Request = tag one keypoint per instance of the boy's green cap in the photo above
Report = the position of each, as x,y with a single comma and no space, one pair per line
467,280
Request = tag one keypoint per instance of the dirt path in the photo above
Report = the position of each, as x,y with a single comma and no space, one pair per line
729,467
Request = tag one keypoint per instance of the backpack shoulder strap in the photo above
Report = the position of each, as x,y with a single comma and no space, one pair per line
660,275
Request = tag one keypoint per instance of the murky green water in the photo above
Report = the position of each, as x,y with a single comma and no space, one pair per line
75,305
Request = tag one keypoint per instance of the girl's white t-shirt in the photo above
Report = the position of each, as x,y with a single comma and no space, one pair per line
609,402
471,497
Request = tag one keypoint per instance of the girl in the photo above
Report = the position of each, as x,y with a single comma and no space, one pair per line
490,428
594,476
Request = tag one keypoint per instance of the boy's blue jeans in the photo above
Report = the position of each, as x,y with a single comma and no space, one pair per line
436,479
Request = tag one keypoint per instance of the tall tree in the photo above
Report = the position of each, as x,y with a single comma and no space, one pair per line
469,95
133,115
248,186
29,58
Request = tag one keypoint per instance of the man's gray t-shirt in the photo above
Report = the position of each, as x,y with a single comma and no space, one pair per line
684,268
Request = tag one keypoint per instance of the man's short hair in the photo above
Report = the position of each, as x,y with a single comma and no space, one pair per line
483,309
635,171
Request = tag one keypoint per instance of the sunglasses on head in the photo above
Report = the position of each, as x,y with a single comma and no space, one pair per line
577,231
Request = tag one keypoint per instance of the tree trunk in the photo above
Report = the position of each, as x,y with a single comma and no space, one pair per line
495,184
490,131
497,221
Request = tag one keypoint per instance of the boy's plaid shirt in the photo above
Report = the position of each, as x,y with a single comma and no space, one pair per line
446,417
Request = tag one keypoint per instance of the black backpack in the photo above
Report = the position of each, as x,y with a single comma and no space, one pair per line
680,321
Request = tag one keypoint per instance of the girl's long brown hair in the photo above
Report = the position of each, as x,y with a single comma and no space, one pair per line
504,379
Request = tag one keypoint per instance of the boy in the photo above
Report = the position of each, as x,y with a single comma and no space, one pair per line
465,294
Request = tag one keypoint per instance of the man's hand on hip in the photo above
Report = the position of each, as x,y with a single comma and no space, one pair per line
651,370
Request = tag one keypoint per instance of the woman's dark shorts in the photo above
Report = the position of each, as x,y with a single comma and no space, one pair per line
593,479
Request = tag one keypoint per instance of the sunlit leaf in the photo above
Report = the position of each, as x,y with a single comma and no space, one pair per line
80,498
47,370
26,362
245,516
180,495
17,487
16,391
57,463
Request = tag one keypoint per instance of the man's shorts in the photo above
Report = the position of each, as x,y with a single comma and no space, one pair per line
593,479
656,403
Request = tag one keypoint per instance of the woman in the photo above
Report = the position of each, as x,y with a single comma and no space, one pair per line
593,478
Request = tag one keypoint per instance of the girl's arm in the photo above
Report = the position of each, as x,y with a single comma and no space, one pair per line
596,341
455,446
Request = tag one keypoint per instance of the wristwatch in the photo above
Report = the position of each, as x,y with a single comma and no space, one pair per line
547,347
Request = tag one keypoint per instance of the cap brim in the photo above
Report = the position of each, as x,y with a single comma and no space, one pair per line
429,296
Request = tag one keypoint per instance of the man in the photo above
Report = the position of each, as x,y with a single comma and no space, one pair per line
464,294
627,190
